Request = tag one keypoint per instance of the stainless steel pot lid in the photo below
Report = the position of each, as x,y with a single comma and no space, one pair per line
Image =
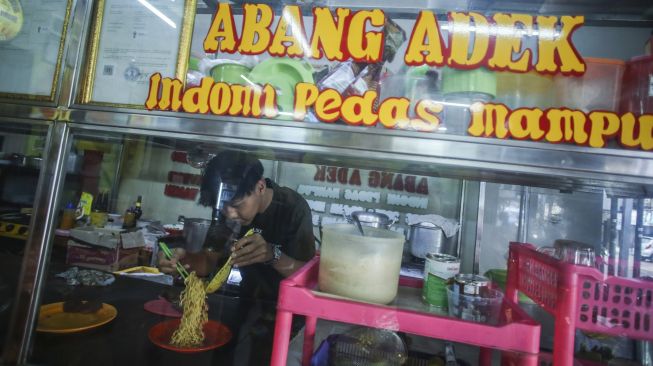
427,225
366,216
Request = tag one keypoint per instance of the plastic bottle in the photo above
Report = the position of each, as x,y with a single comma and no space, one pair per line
138,212
68,218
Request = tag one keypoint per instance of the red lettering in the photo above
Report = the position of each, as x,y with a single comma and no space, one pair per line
355,179
386,180
331,171
319,173
374,179
423,186
342,175
399,183
409,184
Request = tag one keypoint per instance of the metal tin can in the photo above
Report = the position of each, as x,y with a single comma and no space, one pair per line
470,284
438,269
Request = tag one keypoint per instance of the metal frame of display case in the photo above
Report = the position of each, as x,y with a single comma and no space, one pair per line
625,172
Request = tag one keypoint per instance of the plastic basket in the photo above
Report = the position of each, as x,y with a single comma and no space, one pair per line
580,297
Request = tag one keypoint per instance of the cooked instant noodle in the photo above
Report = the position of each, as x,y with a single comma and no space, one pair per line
195,314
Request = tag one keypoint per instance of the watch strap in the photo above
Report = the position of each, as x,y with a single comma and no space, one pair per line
276,254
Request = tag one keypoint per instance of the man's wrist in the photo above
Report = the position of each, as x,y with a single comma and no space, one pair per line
276,254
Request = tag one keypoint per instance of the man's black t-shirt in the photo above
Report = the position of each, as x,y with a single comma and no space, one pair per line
286,222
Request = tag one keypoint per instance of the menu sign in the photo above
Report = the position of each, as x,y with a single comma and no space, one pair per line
360,44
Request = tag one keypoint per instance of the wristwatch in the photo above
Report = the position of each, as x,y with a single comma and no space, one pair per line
276,254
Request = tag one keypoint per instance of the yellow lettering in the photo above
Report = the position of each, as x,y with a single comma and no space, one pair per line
362,45
222,31
305,96
393,111
153,93
356,109
196,99
327,106
565,124
425,40
462,26
604,124
556,52
488,119
242,100
428,119
509,42
171,94
327,35
255,39
270,109
643,127
291,17
525,123
220,98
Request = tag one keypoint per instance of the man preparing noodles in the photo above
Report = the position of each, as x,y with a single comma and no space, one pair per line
244,201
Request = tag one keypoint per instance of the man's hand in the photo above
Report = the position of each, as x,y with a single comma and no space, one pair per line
170,266
251,249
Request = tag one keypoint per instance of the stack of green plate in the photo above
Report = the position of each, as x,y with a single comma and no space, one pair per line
479,80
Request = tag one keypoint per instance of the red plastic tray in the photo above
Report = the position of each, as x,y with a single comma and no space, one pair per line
580,297
517,331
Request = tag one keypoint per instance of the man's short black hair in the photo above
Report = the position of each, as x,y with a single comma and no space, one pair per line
232,167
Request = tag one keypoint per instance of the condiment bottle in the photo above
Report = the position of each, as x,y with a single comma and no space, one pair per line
68,217
129,219
137,208
99,215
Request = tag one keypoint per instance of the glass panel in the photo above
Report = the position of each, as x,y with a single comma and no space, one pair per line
32,47
488,74
164,176
21,155
161,178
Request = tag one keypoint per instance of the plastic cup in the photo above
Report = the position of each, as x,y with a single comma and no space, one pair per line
461,89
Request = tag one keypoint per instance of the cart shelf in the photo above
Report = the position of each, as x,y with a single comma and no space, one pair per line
580,297
298,295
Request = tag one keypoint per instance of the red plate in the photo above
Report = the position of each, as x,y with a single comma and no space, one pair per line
162,307
215,335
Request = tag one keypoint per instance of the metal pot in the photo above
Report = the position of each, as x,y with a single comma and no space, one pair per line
374,219
194,232
425,238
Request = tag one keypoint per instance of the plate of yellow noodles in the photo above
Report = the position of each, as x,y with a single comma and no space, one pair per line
194,332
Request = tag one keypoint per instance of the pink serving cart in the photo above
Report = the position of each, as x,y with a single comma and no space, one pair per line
580,297
517,332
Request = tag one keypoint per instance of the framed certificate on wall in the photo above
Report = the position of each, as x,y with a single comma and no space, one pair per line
32,35
131,40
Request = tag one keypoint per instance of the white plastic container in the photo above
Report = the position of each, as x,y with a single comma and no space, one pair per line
364,268
598,89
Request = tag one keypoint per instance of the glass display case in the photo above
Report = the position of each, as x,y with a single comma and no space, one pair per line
454,128
22,149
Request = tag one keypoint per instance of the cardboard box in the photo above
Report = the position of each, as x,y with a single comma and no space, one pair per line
108,238
96,257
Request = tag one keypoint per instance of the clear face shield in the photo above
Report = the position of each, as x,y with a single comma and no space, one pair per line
226,193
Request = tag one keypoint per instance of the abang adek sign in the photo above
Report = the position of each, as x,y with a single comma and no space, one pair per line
365,37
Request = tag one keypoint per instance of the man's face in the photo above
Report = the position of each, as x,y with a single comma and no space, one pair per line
244,209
